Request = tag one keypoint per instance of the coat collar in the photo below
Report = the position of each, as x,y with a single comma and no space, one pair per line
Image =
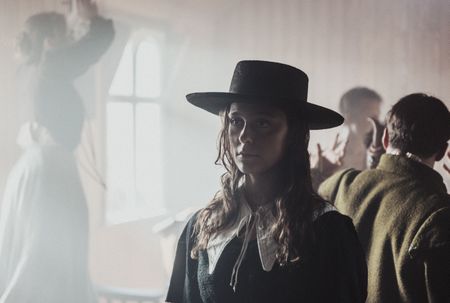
263,221
32,133
399,164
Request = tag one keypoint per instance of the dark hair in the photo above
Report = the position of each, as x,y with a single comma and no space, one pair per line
294,206
42,25
357,98
58,108
419,124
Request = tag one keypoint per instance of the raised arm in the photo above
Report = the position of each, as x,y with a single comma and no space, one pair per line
326,162
75,59
375,148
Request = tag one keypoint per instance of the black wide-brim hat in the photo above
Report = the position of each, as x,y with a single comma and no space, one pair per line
263,82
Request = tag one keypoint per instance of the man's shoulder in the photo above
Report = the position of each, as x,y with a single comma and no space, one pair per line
341,179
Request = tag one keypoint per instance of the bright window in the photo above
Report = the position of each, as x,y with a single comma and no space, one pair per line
133,147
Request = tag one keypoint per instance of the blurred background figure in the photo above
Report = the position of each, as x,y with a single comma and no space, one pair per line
358,142
44,219
357,105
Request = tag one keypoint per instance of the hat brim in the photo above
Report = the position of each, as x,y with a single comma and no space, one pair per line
214,102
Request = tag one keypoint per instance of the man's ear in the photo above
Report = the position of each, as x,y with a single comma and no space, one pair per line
385,138
441,153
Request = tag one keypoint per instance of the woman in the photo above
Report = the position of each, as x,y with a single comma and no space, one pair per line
43,216
266,236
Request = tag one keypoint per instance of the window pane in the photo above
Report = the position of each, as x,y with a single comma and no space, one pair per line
148,70
122,84
148,158
120,161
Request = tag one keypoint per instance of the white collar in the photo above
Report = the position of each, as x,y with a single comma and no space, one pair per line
263,220
32,133
408,155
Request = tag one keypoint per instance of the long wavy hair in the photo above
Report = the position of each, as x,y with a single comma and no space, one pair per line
294,206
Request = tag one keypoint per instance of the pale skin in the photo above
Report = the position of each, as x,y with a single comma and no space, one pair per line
257,136
86,9
329,160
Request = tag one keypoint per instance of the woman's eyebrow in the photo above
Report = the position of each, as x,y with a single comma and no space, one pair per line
269,114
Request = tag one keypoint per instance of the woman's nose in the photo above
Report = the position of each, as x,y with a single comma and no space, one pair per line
246,135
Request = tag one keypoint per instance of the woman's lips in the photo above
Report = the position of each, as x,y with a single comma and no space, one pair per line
247,155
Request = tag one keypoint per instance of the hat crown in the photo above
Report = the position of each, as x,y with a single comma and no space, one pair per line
269,79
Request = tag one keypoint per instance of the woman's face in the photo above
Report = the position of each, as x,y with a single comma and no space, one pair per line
257,135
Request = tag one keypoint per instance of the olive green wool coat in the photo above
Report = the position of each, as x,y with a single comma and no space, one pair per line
401,212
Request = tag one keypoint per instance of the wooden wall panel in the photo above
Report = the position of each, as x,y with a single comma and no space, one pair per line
396,47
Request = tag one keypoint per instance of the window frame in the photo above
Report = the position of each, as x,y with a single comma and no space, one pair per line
136,38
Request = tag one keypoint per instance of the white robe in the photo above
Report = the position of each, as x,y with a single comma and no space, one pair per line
44,226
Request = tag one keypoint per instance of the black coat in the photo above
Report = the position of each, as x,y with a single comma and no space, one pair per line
335,272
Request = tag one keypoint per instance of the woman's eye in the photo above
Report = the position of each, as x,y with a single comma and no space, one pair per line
235,121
